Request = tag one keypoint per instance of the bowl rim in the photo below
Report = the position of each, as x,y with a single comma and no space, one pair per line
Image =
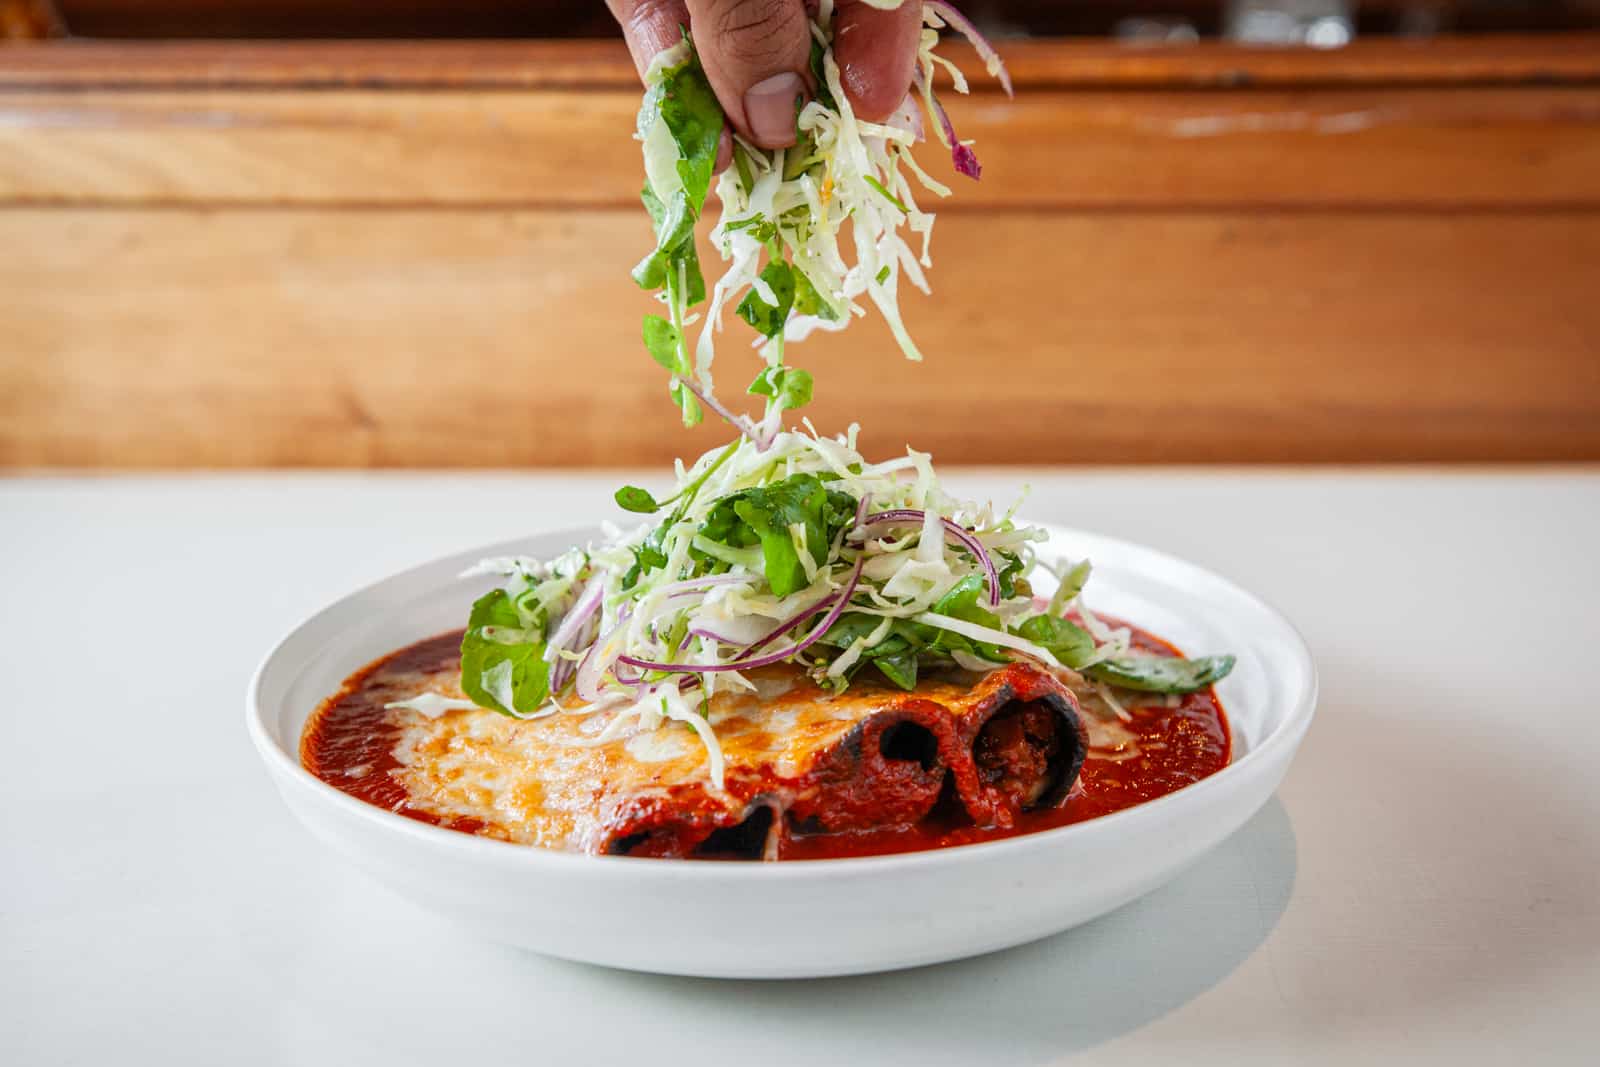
288,770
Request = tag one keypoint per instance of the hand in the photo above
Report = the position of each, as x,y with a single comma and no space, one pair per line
756,54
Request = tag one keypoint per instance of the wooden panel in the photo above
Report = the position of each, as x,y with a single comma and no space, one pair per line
419,338
1429,147
28,20
1083,64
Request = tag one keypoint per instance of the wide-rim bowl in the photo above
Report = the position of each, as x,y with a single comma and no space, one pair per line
1270,699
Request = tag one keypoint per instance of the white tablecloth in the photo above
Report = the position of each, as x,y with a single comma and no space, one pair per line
1426,886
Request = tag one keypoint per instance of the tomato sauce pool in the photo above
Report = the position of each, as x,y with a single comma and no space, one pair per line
1165,746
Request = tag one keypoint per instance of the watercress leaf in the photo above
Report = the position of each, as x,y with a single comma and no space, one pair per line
674,223
788,387
801,157
495,608
1162,674
819,77
694,118
848,628
632,498
808,301
780,560
794,391
1065,640
800,500
694,288
664,342
900,668
502,666
768,319
741,164
961,602
651,554
1010,571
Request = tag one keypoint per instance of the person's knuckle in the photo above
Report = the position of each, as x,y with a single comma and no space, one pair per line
758,31
648,12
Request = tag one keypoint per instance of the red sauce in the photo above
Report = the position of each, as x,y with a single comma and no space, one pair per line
348,745
1177,746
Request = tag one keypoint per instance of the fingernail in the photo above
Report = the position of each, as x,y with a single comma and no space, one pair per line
769,108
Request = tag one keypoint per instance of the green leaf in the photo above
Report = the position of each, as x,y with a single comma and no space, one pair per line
665,343
789,388
801,157
1162,674
1065,640
632,498
768,319
649,555
494,609
900,668
808,301
694,118
674,222
741,163
849,628
763,516
502,664
961,602
1010,571
819,77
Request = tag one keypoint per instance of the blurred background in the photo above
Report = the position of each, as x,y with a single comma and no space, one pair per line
284,233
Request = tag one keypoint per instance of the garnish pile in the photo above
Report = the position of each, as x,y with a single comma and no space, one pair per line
784,547
784,213
798,552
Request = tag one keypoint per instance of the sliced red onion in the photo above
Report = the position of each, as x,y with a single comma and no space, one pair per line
964,158
861,511
953,530
694,585
785,627
766,658
588,677
587,603
980,44
710,635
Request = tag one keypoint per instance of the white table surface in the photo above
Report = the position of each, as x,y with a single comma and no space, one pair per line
1425,887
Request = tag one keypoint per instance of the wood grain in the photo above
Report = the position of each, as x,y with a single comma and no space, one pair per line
1548,59
1429,148
416,254
197,338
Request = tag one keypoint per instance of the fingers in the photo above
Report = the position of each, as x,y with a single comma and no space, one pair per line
649,26
756,54
876,50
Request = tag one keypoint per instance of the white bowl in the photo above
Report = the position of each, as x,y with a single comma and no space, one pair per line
796,919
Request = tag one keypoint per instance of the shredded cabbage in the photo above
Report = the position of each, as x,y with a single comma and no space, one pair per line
785,546
797,551
791,266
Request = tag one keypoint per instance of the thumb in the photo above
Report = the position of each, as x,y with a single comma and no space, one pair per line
756,54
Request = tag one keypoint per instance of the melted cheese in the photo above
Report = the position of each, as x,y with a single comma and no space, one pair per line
548,783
